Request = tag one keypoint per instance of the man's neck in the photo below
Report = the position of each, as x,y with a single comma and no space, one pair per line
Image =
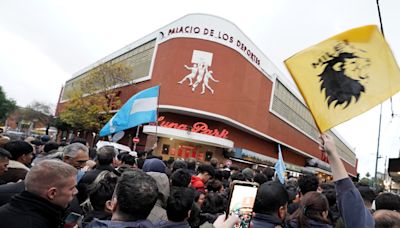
117,216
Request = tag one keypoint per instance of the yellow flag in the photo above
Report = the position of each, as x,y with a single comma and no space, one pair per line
345,75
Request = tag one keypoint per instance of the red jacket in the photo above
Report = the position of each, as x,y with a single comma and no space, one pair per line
197,183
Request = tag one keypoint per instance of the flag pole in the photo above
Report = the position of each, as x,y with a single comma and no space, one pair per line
380,17
158,105
383,34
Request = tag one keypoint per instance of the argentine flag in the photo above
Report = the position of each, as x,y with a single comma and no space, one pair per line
280,167
139,109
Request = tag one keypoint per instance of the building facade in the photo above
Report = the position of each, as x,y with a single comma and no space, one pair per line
220,97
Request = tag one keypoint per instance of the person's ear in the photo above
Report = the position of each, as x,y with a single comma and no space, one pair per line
24,158
114,204
282,211
51,193
325,214
109,206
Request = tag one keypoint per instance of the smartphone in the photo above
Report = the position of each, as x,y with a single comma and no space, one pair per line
241,201
72,219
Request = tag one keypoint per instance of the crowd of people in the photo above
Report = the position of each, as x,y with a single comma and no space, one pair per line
46,184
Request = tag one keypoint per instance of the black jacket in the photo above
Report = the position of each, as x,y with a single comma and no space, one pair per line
29,210
9,190
88,179
267,221
169,224
101,215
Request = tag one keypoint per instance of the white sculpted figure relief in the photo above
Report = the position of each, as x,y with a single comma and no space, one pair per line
200,75
190,76
205,82
199,72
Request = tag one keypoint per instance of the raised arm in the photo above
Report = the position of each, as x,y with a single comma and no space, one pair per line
328,146
349,200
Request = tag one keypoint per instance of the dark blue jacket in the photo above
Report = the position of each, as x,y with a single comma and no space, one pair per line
169,224
119,224
351,205
311,223
266,221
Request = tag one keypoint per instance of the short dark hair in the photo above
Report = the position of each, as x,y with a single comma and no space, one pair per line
292,192
178,164
270,196
206,168
260,178
388,201
214,185
106,155
238,176
214,162
140,162
180,178
37,142
367,193
102,191
191,163
18,148
49,146
4,154
330,195
268,172
308,183
179,204
128,159
131,189
214,203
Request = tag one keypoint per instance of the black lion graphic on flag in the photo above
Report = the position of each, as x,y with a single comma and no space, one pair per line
338,86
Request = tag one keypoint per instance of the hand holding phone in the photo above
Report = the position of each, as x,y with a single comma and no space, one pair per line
241,201
72,220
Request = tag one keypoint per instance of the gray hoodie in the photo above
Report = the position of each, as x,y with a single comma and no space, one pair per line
158,212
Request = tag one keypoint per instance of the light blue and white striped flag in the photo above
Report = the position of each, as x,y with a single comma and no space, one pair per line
139,109
280,167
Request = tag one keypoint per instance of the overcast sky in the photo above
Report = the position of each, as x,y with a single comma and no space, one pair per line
44,42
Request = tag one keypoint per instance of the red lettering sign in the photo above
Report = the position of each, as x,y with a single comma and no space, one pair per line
198,127
200,156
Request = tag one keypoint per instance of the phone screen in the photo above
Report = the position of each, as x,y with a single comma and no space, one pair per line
241,202
72,219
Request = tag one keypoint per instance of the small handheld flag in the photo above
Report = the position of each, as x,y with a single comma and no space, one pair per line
345,75
139,109
280,167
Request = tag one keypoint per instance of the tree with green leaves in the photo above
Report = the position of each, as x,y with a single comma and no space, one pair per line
7,106
37,113
91,102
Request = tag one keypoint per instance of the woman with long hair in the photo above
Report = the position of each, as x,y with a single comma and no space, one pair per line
313,212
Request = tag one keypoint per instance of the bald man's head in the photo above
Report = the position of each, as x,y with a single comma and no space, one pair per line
53,180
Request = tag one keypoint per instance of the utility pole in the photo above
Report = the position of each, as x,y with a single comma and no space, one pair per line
377,149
